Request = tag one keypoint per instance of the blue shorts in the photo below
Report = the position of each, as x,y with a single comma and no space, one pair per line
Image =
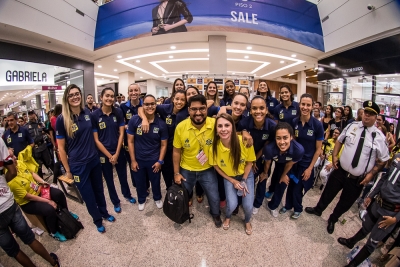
13,218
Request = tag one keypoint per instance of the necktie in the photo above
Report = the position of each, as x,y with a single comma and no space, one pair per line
357,155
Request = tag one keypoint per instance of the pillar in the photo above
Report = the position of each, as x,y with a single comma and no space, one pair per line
38,102
125,79
52,99
301,84
151,87
218,55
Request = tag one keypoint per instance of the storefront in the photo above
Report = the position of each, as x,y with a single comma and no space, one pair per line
36,79
367,72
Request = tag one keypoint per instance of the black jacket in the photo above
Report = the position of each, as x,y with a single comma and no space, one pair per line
173,12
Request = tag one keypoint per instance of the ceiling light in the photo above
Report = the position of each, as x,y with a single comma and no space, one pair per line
141,77
282,62
173,47
293,55
119,56
249,48
163,74
115,70
99,66
233,73
186,73
171,56
208,55
246,57
138,61
332,65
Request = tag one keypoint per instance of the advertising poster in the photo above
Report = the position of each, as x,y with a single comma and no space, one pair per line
293,20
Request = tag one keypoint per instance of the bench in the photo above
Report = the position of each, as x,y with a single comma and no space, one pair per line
63,179
36,220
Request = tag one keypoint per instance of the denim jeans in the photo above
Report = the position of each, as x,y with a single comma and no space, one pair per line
12,218
208,180
232,199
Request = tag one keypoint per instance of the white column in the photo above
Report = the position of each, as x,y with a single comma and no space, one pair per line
218,55
301,83
125,79
151,87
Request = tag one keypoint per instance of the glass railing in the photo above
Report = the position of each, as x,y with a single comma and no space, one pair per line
101,2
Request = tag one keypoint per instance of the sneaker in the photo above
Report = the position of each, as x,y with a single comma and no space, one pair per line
110,218
131,200
295,215
58,236
141,206
255,210
101,229
117,209
222,204
159,204
275,213
76,217
55,258
282,210
268,195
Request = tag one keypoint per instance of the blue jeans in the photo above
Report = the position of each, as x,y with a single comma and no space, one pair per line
120,167
144,170
208,180
232,199
12,218
88,178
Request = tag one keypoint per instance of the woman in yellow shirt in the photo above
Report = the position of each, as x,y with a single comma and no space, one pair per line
26,188
233,161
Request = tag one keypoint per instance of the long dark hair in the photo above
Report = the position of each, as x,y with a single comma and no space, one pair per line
306,95
57,110
350,116
173,86
102,94
267,115
290,91
235,150
330,115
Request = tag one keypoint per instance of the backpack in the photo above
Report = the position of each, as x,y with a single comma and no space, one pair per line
67,225
176,204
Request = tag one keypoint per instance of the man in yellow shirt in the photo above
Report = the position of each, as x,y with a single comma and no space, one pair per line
192,141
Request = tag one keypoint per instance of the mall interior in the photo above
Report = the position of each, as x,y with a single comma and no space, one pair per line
342,52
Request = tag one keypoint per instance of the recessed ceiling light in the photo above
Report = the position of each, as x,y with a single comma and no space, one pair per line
208,55
171,56
186,73
115,70
246,56
282,62
293,55
102,78
233,73
249,48
332,65
137,61
119,56
141,77
99,66
173,47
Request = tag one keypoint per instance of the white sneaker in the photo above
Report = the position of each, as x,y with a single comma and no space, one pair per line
275,213
255,210
141,206
159,204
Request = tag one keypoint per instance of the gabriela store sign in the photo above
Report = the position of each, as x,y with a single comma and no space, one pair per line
25,73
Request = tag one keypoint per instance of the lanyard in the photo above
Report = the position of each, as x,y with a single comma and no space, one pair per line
203,139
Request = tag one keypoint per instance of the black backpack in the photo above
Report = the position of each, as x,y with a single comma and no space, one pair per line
68,225
176,204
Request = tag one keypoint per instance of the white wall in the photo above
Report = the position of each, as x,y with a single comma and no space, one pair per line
56,19
350,21
152,84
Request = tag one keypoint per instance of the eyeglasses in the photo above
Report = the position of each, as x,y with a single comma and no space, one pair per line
149,104
74,95
202,109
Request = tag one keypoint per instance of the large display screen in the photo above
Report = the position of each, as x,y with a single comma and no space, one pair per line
294,20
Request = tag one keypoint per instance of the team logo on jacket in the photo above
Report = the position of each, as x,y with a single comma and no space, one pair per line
310,132
128,116
168,121
139,131
271,104
19,134
155,130
115,119
242,161
296,133
223,163
294,112
87,118
265,136
187,143
288,158
281,116
76,179
208,142
102,125
74,127
102,160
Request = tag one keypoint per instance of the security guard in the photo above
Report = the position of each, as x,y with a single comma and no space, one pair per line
39,152
382,215
364,155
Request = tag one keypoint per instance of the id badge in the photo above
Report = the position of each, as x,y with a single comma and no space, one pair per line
201,157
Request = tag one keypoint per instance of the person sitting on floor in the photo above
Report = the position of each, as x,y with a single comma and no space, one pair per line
26,187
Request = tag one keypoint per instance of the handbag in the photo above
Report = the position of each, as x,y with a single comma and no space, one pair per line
45,192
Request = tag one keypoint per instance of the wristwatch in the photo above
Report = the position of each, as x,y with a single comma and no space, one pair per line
160,161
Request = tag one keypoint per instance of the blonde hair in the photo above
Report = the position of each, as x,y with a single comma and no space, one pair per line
66,111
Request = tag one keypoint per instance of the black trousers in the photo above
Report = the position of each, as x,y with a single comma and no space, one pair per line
351,190
41,158
167,169
46,210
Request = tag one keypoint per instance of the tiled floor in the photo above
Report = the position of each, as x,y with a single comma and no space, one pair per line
148,238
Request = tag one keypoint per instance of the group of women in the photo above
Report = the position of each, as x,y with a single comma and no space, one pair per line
140,133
